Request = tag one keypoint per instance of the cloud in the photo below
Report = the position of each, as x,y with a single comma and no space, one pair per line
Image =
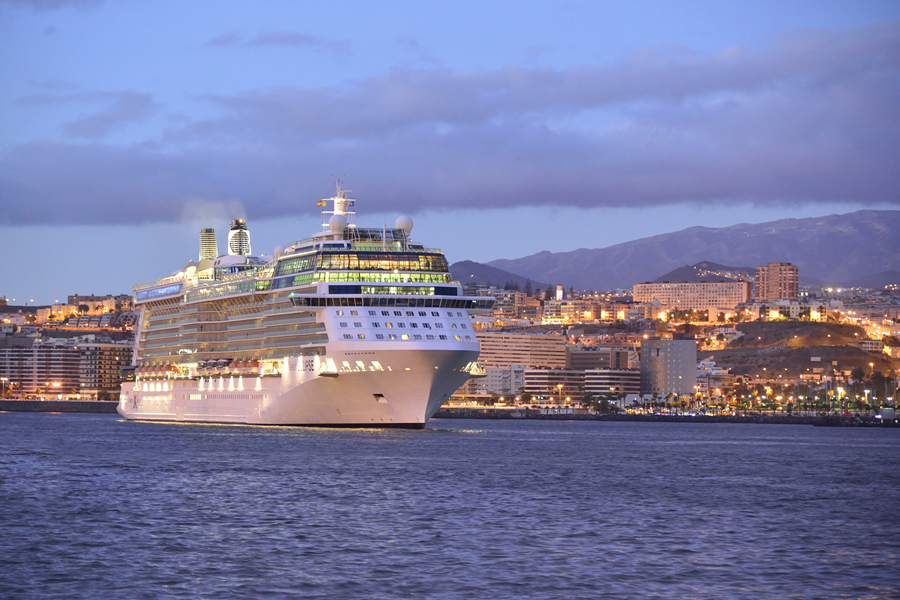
122,108
810,118
226,39
46,5
300,40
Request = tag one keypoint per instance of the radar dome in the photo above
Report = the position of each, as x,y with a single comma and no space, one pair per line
404,223
279,250
337,223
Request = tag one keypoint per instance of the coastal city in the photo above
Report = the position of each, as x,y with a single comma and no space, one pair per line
735,343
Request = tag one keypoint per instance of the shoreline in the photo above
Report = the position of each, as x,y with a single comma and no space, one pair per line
59,406
818,421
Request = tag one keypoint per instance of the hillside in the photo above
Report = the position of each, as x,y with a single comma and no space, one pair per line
467,271
834,248
707,271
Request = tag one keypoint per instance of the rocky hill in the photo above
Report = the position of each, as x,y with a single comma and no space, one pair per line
834,249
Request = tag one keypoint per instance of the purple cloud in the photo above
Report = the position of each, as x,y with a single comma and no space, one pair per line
810,118
122,108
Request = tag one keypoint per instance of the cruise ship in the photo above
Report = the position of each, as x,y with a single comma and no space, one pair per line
353,327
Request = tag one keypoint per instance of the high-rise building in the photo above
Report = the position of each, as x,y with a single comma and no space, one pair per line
209,246
555,385
612,382
238,238
531,350
776,281
694,296
669,366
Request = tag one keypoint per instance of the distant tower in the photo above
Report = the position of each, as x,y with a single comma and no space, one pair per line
238,238
776,281
209,247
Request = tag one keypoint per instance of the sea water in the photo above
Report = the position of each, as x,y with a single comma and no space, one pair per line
97,507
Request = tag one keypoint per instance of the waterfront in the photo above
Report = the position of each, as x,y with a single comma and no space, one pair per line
99,507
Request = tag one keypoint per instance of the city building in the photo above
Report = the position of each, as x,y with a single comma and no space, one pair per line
712,296
612,382
100,364
669,366
555,385
63,367
531,350
498,381
775,281
585,358
238,238
209,246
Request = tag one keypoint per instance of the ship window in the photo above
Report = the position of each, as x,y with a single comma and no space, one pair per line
410,313
468,338
353,313
429,337
392,336
426,326
435,313
347,336
417,337
458,314
339,313
357,324
388,325
404,337
449,314
457,338
371,313
439,325
414,325
379,336
463,325
343,324
397,313
376,324
361,336
443,337
422,313
453,325
401,325
385,313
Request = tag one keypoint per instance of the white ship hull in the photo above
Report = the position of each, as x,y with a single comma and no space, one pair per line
406,391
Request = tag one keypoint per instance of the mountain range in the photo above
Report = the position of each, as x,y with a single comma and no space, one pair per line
834,249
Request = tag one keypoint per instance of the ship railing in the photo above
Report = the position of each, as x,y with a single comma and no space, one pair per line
158,282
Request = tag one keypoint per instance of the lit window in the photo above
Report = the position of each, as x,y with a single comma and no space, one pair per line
457,338
404,337
339,313
453,325
388,325
353,313
357,324
343,324
429,337
347,336
361,336
392,336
